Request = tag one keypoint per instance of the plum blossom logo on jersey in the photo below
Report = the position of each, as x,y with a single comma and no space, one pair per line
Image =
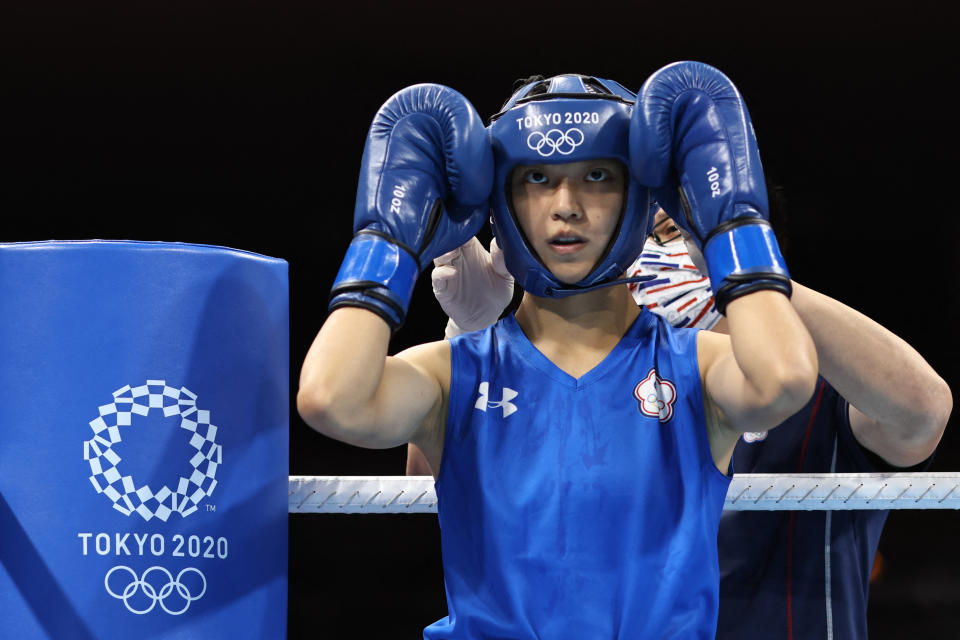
483,402
754,436
555,141
656,396
106,477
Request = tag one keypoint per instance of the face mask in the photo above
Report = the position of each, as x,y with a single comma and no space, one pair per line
679,293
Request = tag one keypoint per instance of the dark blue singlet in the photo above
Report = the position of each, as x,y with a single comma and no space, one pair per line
578,508
797,575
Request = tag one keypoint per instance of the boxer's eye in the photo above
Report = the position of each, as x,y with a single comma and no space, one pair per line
535,177
665,231
598,175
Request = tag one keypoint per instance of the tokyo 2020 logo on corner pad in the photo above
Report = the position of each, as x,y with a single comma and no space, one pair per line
122,490
142,592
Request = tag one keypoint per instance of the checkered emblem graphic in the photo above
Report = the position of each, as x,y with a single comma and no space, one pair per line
106,477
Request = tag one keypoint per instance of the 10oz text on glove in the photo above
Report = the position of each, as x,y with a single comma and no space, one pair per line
713,175
399,191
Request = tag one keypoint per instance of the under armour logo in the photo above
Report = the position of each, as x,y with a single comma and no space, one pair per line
483,402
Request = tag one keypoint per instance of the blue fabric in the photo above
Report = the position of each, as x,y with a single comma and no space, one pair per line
759,549
376,273
744,259
747,249
144,441
565,511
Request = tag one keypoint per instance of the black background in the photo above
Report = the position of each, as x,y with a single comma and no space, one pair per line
242,124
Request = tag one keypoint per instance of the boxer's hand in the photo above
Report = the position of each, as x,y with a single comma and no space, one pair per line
424,182
472,286
691,139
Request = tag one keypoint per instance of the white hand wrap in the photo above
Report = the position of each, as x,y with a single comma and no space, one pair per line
472,286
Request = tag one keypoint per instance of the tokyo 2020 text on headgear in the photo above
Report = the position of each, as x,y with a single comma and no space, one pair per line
566,118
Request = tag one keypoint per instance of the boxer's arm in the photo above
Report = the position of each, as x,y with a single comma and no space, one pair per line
352,391
899,405
759,375
417,464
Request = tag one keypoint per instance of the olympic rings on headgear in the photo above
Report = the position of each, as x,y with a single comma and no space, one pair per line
141,584
555,140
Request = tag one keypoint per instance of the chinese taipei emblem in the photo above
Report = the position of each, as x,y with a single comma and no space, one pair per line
156,588
656,396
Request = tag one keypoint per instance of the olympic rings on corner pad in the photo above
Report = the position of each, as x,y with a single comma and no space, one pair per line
140,583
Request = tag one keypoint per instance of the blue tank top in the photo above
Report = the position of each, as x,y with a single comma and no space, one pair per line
578,508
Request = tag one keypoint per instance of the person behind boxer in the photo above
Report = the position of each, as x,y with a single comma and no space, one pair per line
584,442
774,568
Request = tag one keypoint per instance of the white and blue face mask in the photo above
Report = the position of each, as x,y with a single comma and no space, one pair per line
678,292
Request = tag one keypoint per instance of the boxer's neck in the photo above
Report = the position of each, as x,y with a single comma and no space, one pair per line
577,332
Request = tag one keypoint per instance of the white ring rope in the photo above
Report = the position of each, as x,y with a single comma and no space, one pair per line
747,492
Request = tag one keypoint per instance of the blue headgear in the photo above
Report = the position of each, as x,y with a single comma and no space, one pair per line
565,118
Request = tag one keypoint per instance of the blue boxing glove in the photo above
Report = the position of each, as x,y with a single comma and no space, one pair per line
425,178
691,139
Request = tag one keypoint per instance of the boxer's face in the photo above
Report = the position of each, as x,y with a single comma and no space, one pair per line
569,212
664,229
